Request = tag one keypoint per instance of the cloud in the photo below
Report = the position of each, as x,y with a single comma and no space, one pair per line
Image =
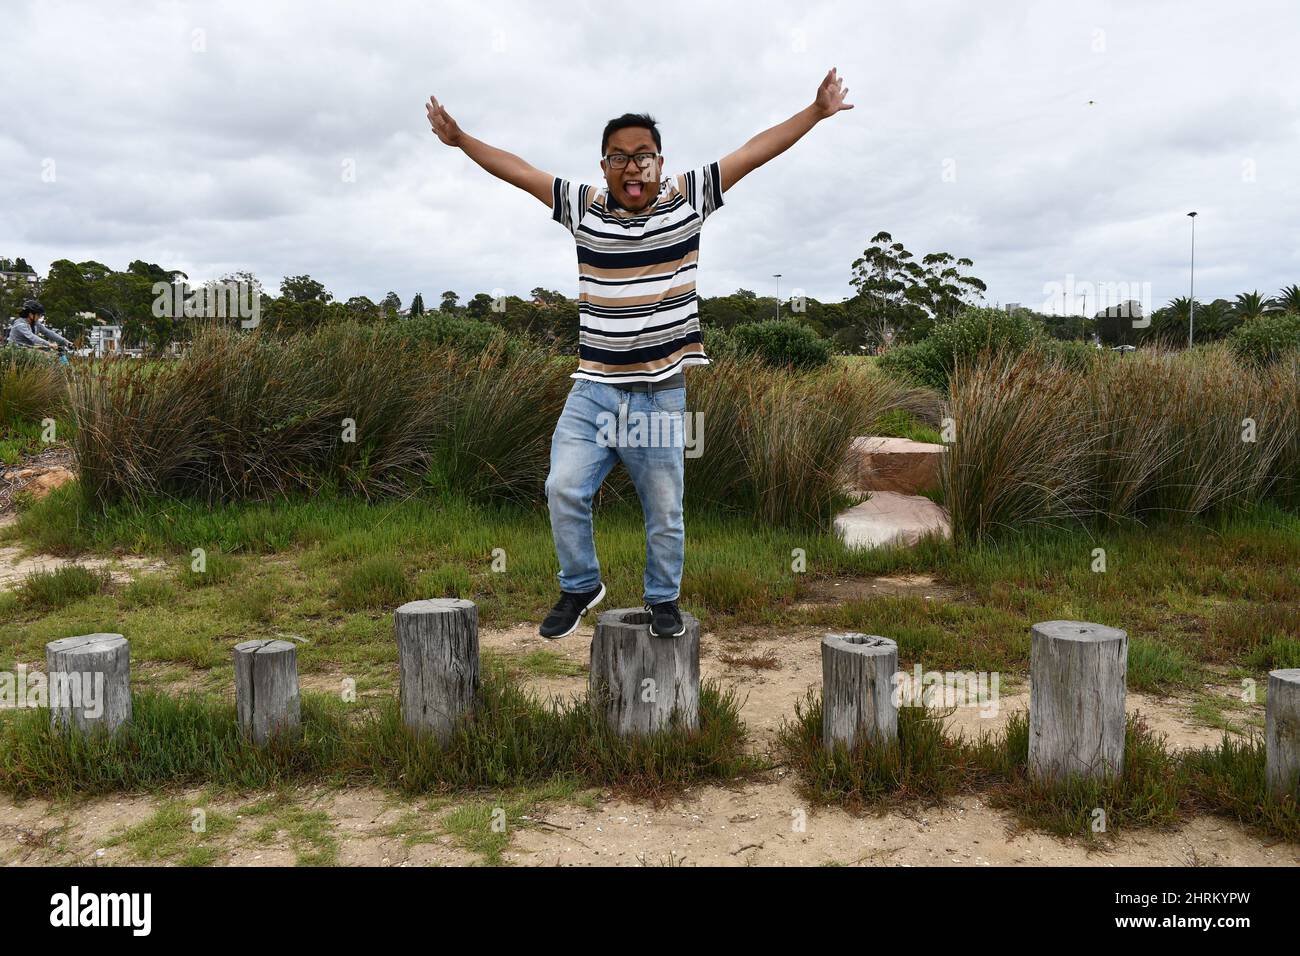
290,137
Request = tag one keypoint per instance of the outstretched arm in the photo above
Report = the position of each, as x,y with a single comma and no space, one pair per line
498,162
773,142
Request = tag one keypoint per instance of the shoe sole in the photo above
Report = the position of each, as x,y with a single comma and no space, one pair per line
578,620
654,633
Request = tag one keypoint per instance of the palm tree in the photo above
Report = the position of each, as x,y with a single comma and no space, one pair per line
1288,299
1251,305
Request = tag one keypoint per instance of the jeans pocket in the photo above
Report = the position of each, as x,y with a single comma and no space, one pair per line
670,400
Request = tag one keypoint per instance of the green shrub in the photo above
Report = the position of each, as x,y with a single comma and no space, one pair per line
783,343
440,329
919,362
1267,338
959,339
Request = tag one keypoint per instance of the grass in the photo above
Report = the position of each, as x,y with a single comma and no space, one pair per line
361,411
512,741
1219,591
310,833
1175,435
170,835
51,590
1156,787
925,765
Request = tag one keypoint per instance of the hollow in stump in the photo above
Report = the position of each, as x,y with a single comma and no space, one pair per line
858,690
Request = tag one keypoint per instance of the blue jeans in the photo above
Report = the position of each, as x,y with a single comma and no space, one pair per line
597,428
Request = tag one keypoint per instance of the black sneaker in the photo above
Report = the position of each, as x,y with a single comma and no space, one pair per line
564,617
666,620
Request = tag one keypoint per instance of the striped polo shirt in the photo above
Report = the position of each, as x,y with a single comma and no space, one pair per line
638,317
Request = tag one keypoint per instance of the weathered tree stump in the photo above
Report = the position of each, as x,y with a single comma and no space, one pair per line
1077,674
1282,732
266,689
437,647
638,681
858,690
89,682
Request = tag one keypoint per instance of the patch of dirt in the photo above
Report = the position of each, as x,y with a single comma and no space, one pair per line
769,825
763,824
822,591
15,564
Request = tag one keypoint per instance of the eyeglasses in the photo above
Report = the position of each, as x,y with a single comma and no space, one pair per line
619,160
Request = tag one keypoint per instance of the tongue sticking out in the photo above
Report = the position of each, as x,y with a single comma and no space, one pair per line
633,190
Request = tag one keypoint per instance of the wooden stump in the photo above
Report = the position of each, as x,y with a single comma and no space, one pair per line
1077,674
437,647
266,689
89,682
637,681
1282,732
858,690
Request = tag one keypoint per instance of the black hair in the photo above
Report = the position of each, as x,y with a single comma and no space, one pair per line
626,121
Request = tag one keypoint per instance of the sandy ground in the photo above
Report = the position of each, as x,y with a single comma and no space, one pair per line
15,565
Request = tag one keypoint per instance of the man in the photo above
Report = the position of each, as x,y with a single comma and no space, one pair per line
30,331
638,247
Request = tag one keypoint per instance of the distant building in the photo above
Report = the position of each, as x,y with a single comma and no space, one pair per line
30,279
105,340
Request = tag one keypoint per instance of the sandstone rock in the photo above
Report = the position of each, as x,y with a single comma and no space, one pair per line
896,464
890,518
40,482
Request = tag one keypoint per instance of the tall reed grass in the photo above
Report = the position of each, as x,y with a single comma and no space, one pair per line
1155,433
31,386
249,417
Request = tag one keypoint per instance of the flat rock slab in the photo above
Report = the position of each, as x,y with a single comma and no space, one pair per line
888,518
895,464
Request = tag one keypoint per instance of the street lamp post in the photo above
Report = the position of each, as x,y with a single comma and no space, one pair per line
1191,299
777,277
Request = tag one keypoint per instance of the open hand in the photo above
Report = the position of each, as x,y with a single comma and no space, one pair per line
442,123
830,96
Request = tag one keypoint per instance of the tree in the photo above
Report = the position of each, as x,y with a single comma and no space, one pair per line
64,293
449,300
1287,298
304,289
547,297
1252,305
361,309
480,307
905,297
417,305
391,305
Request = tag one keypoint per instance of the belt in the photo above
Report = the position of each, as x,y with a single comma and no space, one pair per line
672,381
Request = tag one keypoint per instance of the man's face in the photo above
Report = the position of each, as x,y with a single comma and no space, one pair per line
634,188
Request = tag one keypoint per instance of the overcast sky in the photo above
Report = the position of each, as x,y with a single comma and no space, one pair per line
1042,140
